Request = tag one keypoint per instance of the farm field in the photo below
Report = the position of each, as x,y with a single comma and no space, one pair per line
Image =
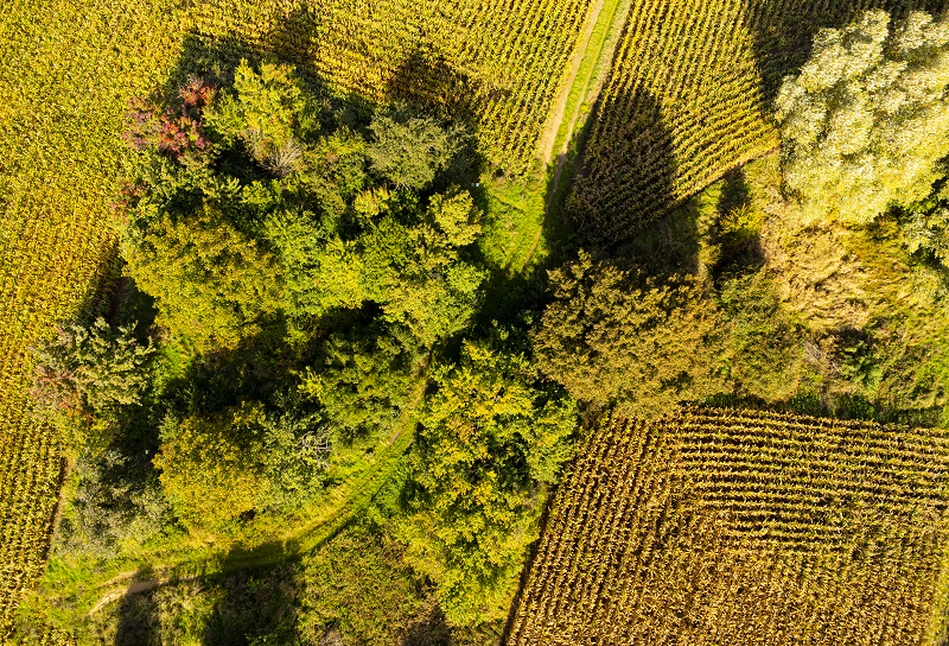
738,527
73,67
688,98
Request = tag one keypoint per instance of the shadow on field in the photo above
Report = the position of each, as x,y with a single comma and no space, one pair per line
625,181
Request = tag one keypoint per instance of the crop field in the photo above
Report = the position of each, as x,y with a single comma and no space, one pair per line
736,527
66,72
688,98
497,65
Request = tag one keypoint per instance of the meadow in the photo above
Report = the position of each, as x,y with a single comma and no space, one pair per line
688,98
718,526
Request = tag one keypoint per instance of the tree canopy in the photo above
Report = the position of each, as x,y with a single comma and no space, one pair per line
250,209
866,120
489,438
615,337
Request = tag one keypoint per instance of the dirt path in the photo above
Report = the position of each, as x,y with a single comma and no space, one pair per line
548,138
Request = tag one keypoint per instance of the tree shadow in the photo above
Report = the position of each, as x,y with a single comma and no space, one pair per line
138,620
433,630
256,607
608,208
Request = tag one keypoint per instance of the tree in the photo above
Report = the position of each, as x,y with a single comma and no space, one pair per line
213,284
363,381
418,275
218,467
925,226
410,151
88,373
866,120
269,112
611,337
489,437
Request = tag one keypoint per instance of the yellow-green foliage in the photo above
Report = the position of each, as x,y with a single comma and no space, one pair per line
67,71
727,527
213,469
865,123
689,96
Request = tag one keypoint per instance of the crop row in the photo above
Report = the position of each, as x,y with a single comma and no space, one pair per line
496,65
646,545
688,98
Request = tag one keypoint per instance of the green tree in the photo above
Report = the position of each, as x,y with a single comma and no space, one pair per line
86,374
269,113
925,226
363,382
410,151
215,468
489,438
213,284
866,120
417,273
610,337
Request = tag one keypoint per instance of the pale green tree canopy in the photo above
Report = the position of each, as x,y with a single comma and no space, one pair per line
866,120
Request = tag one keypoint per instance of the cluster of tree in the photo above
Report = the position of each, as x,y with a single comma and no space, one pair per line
313,282
865,122
306,280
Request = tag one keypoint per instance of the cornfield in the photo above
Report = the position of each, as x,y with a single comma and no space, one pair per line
689,97
67,70
733,527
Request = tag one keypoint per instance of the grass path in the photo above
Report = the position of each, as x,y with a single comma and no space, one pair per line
588,71
349,500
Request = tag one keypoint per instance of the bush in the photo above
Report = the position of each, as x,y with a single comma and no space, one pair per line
612,337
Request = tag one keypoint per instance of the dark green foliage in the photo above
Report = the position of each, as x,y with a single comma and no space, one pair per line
925,226
87,374
110,511
358,587
410,151
363,383
611,337
489,438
